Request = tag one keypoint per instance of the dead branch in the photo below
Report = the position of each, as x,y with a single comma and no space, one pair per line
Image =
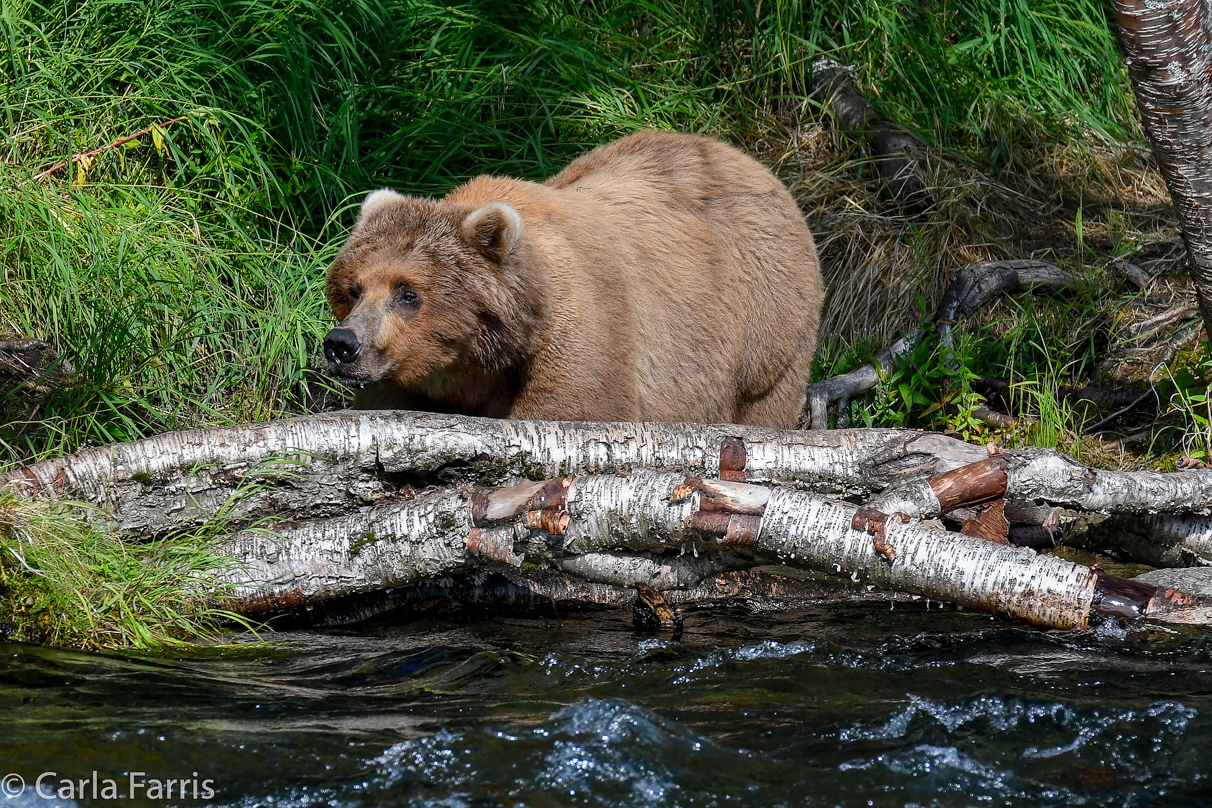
95,152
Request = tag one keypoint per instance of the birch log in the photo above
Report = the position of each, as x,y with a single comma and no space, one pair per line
326,465
446,532
329,465
1168,46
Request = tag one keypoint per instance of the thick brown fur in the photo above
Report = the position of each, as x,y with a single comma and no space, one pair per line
661,277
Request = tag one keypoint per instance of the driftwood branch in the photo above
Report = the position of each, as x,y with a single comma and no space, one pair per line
895,153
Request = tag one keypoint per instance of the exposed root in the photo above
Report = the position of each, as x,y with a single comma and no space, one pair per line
975,286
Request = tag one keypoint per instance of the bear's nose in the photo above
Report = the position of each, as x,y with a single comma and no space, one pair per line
341,346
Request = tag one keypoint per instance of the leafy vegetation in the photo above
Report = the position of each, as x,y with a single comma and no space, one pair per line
182,271
1192,401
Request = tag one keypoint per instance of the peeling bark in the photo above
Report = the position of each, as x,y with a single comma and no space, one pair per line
653,512
326,465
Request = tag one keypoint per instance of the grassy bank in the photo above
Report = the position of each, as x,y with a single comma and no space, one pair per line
181,272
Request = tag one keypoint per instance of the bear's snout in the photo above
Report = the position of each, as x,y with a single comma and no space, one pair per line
342,346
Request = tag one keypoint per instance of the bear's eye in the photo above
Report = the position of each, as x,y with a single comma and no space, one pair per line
405,296
354,291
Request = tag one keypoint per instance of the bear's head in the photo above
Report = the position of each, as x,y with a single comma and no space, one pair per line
424,287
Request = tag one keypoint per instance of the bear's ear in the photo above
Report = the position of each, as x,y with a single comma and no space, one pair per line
378,201
494,230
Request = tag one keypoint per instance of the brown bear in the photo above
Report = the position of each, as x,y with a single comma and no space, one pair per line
661,277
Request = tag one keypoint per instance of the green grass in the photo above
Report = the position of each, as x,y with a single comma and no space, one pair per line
183,278
65,579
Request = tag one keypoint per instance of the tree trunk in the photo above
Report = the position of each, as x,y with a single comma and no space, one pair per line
1168,46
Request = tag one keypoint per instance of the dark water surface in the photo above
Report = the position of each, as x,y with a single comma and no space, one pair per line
828,706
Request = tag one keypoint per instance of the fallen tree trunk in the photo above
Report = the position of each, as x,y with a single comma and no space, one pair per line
325,465
580,517
1160,540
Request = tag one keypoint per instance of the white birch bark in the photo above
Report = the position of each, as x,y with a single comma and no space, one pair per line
1049,475
974,573
316,467
385,546
323,465
1168,46
646,511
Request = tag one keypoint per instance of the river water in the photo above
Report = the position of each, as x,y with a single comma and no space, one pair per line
834,705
